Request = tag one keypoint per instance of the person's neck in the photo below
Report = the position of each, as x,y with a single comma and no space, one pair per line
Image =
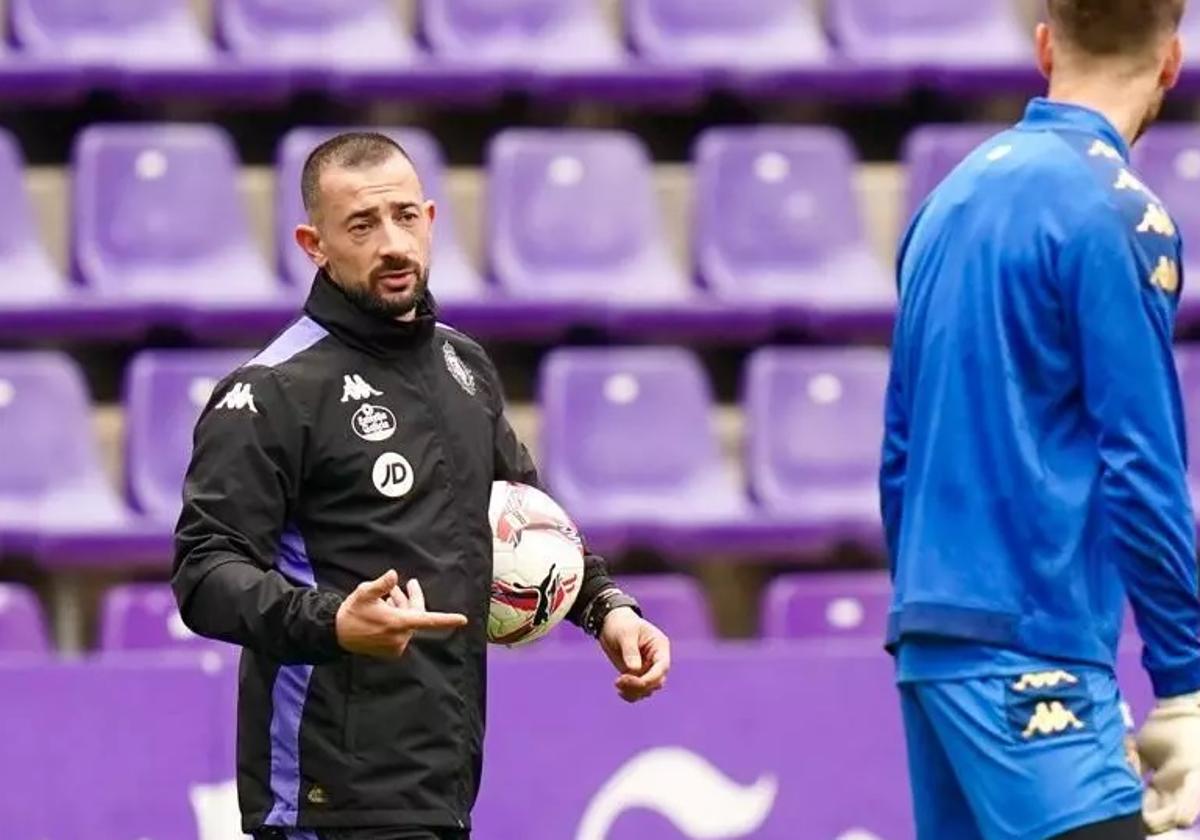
1123,102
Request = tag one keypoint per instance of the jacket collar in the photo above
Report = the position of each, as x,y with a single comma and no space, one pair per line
330,307
1048,115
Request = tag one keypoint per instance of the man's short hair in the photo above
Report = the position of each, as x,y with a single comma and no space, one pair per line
1105,28
350,150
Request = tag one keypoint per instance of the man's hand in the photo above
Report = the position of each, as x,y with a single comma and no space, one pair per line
641,652
379,619
1169,743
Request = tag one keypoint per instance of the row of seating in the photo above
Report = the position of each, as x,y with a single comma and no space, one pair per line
144,616
574,236
467,48
650,475
626,443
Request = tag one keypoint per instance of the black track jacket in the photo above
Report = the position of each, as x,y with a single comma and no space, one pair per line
351,445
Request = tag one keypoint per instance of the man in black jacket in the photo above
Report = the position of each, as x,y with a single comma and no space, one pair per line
340,483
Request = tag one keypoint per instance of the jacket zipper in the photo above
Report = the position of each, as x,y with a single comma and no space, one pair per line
429,391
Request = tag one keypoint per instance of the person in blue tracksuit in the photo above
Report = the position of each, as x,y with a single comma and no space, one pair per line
1034,461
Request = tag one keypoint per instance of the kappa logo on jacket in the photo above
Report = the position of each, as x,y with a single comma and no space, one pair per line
238,397
354,387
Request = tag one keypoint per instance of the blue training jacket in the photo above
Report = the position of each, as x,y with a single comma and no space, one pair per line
1034,458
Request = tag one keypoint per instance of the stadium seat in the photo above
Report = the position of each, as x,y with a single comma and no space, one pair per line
932,151
144,616
165,391
824,605
52,478
454,278
22,625
129,32
528,34
574,226
628,444
159,225
28,275
777,223
675,603
742,35
928,31
814,426
315,33
1168,159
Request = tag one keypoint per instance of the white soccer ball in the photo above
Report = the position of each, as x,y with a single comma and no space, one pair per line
537,564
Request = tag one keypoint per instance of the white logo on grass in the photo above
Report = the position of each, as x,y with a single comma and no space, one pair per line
698,799
354,387
238,397
392,474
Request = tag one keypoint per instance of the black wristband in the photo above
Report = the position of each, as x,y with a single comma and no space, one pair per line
604,603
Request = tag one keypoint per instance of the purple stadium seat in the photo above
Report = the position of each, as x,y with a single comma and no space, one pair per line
164,393
28,275
574,226
159,223
929,32
827,605
748,33
674,602
931,152
628,443
144,616
1168,160
777,222
52,478
123,32
315,33
814,420
453,278
22,625
530,34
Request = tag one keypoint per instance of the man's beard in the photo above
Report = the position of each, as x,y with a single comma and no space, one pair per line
371,300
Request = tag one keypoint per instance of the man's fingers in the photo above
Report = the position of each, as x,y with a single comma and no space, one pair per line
381,587
398,599
1187,801
416,598
656,674
1158,811
631,656
413,620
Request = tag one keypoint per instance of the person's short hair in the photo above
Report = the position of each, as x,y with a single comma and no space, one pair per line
1106,28
350,150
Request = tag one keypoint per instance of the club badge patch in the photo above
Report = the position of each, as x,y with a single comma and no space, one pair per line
461,373
374,422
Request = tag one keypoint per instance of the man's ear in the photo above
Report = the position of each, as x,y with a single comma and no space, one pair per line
310,242
1044,49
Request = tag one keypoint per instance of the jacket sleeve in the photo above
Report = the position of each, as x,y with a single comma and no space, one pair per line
1123,326
514,463
239,491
